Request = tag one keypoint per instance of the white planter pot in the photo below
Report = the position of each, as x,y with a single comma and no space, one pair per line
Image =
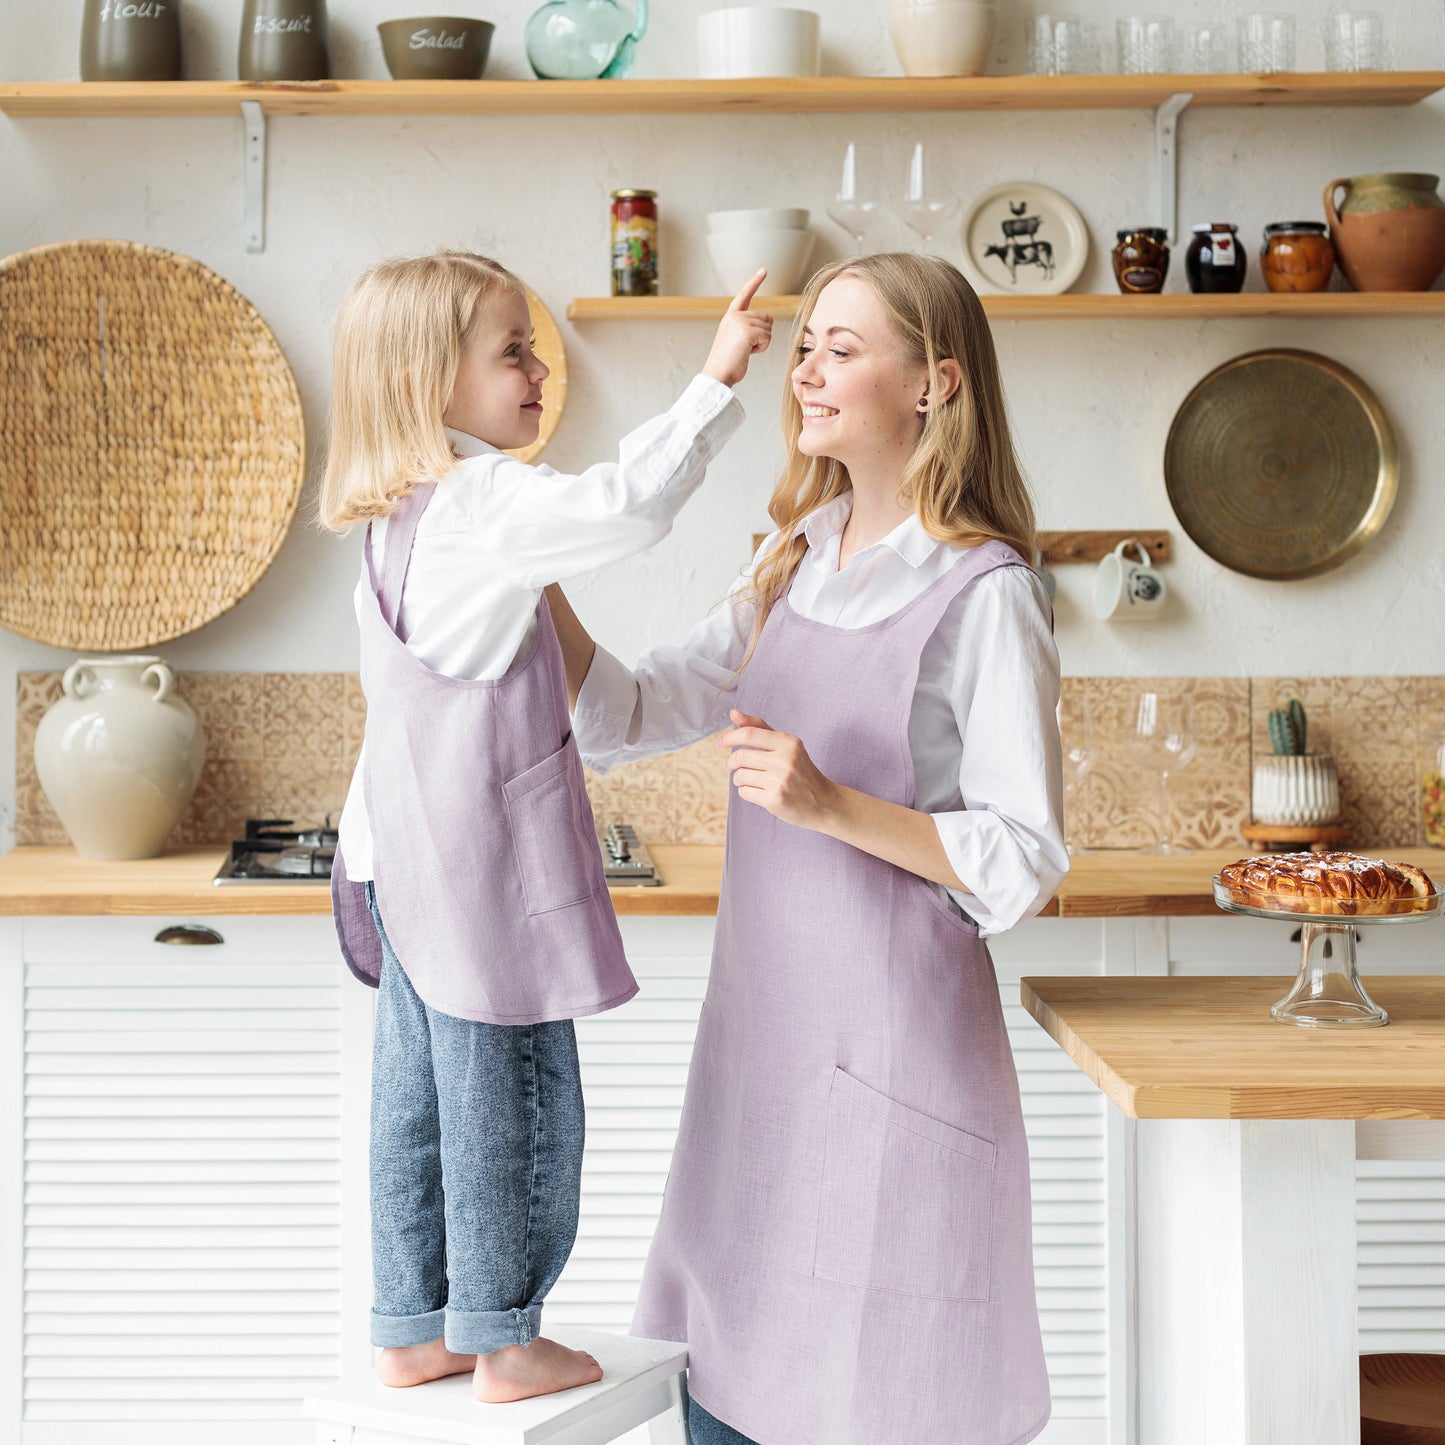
748,40
1297,792
942,37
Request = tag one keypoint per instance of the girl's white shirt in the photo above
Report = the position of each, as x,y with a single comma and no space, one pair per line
497,531
983,730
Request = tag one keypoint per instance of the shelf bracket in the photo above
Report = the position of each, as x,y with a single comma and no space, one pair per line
253,174
1166,160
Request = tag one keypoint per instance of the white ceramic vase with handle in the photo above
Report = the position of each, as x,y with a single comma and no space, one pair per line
119,756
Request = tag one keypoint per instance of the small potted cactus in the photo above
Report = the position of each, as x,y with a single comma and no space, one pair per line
1294,786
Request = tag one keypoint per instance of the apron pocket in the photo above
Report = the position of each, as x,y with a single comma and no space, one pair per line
556,850
907,1201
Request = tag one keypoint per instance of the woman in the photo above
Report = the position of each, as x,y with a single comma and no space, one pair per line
845,1239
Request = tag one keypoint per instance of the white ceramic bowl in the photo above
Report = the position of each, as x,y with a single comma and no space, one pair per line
748,40
737,254
764,218
942,37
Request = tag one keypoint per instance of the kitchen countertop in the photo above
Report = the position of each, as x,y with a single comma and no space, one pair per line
47,881
1206,1048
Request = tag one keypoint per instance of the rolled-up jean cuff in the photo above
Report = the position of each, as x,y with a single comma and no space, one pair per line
479,1332
392,1332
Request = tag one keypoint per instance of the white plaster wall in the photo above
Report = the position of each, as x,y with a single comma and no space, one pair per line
1091,401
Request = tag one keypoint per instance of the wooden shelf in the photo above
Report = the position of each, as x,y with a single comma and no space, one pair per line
1179,307
710,97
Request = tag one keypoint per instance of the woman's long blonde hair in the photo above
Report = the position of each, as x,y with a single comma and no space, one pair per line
963,479
398,344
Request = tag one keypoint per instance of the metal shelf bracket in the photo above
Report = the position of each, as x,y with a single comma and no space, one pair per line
1166,160
253,174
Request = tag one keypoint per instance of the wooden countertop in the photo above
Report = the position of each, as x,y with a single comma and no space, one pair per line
1206,1048
45,881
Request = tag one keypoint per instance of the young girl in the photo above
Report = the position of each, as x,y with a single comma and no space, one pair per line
845,1240
468,884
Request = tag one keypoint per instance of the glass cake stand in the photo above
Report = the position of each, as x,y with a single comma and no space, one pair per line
1327,992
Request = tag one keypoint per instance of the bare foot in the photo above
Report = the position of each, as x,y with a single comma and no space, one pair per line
416,1364
518,1372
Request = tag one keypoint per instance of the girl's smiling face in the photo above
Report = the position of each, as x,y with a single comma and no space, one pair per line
497,396
858,389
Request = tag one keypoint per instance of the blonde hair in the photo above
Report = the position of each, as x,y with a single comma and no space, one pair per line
398,344
963,479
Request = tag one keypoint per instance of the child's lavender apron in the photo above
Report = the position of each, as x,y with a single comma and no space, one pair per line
485,857
845,1241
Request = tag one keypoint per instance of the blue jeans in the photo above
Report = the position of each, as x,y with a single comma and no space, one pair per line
707,1429
476,1168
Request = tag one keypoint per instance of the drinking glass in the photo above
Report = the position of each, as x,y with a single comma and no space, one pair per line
1079,758
1266,42
1355,40
1164,740
858,205
1146,45
1063,45
1204,48
928,205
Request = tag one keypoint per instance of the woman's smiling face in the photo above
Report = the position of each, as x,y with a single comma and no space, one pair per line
858,388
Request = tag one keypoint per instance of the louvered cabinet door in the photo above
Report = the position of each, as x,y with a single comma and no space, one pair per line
184,1111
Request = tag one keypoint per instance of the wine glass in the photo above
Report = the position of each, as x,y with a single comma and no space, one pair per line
858,206
1166,740
928,205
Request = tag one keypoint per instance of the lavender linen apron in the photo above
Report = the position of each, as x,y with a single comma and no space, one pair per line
846,1242
485,857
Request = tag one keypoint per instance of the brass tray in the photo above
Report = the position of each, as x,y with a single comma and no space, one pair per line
1281,464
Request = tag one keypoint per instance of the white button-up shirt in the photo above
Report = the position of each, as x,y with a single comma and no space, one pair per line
983,730
497,531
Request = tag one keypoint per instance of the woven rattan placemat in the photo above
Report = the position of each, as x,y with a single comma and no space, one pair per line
154,447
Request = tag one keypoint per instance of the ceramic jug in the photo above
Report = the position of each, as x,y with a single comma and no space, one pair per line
119,756
1389,233
130,40
584,39
283,40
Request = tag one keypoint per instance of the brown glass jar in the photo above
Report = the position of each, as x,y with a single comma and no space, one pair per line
1297,256
1141,260
634,243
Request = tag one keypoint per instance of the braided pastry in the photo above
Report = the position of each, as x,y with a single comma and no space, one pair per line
1346,884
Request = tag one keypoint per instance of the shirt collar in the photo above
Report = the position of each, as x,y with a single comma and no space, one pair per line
465,445
908,539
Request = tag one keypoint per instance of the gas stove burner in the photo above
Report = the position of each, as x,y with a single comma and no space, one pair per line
274,851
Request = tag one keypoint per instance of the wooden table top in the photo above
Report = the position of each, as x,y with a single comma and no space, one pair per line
46,881
1206,1048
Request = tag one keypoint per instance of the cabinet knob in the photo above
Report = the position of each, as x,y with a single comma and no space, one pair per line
194,933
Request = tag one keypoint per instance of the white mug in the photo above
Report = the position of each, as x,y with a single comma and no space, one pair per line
1126,591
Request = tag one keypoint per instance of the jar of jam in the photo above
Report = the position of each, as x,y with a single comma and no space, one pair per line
634,243
1297,256
1214,261
1141,260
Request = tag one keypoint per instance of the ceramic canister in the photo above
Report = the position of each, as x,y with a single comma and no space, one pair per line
130,40
283,40
1389,231
119,756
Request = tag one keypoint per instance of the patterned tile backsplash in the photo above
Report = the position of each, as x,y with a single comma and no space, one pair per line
285,745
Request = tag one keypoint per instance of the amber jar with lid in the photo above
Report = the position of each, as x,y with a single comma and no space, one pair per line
1297,256
1141,260
634,243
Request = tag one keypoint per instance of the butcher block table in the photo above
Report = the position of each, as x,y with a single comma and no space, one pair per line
1245,1154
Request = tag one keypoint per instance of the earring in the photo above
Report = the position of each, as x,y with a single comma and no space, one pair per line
922,405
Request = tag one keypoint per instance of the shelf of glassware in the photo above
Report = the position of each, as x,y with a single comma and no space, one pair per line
842,93
1182,307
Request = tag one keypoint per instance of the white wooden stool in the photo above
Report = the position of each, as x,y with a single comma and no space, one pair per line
643,1383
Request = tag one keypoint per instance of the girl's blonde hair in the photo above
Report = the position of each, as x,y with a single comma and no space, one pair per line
963,479
398,344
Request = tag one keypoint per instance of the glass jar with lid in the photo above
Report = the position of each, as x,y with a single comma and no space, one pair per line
1432,788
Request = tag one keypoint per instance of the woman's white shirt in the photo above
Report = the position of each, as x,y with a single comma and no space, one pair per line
983,730
497,531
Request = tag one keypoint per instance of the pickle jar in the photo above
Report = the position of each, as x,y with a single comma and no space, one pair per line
1432,789
634,243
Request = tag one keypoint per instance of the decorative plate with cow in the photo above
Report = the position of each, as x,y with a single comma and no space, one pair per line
1023,239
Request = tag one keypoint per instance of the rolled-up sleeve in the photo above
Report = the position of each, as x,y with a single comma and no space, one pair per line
1007,841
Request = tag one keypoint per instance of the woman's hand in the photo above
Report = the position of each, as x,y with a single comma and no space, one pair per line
773,770
741,334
